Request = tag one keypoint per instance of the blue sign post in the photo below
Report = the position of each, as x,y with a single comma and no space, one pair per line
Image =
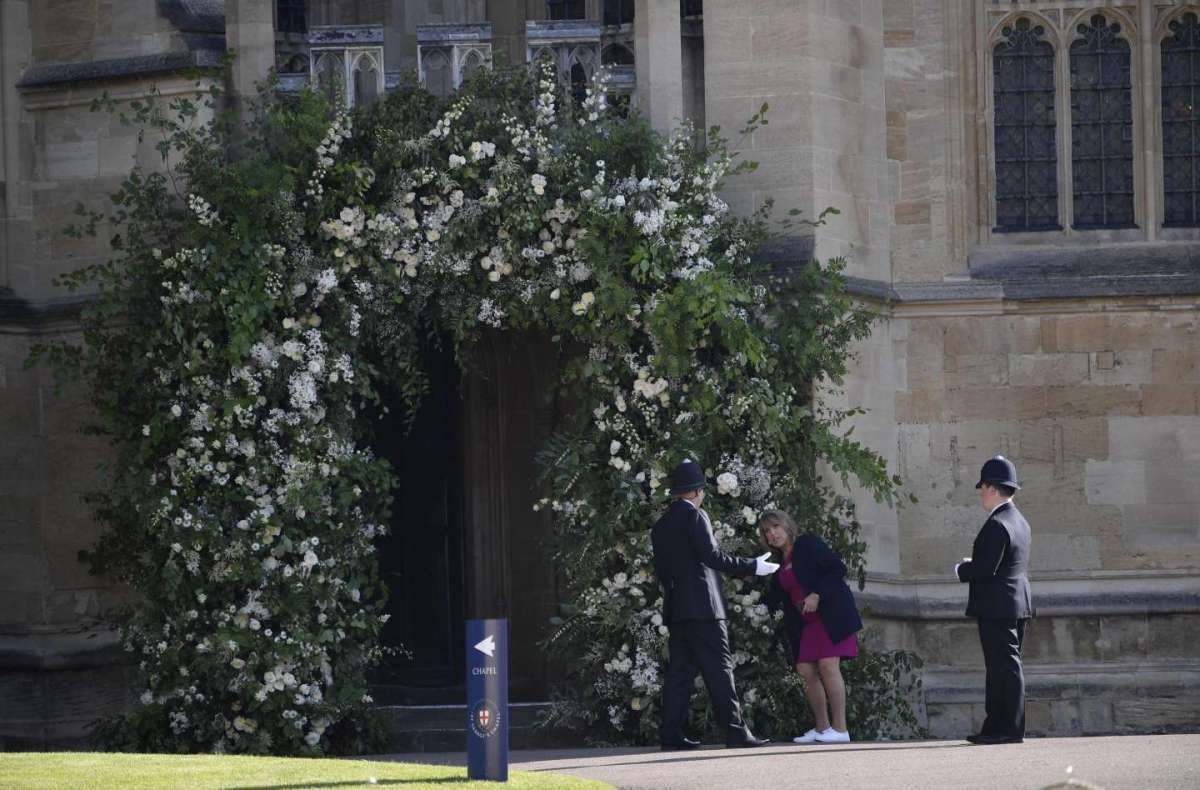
487,700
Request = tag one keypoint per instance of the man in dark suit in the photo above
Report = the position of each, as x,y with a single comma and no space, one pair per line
998,572
686,560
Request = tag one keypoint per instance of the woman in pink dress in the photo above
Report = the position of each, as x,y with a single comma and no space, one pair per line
821,619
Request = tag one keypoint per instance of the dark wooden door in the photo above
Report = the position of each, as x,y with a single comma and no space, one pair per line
421,560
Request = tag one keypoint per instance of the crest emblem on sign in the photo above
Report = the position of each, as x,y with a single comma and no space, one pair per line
485,718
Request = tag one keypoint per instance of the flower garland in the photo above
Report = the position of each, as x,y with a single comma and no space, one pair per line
246,501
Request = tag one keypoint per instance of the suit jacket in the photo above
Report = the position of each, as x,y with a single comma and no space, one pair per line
818,569
686,561
999,568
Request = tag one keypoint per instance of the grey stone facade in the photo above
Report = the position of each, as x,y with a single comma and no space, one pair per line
1075,353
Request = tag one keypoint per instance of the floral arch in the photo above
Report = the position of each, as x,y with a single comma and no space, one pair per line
239,330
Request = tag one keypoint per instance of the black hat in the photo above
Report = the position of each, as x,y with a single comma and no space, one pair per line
688,476
999,471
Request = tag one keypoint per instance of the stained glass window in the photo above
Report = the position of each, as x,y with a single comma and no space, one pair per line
1181,134
1101,127
1026,156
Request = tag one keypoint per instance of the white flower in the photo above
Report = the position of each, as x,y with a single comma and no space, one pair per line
555,294
749,514
538,181
176,410
456,161
614,447
727,483
145,430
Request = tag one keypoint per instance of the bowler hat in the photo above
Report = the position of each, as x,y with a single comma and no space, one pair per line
688,476
999,471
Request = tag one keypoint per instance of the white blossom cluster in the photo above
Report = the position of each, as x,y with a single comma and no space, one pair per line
265,504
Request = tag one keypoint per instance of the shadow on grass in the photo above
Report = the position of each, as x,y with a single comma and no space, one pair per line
445,780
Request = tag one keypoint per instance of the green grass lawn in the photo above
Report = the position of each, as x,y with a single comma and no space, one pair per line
199,772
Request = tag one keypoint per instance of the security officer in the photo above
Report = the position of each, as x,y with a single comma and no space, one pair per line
686,560
999,600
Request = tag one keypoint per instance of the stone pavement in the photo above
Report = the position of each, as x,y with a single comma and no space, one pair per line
1132,762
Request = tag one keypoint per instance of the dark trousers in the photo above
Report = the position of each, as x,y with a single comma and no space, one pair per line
1004,700
698,646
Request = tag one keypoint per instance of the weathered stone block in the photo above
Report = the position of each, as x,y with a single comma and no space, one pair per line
1065,552
1061,640
1176,367
996,403
1116,482
951,721
976,370
980,335
1047,369
919,405
1065,717
1088,332
1161,527
1096,716
1121,367
1123,638
1084,439
1181,399
1147,714
1173,636
1039,718
1092,401
1155,438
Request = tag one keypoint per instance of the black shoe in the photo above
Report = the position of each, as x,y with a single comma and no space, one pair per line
992,740
745,739
974,738
683,744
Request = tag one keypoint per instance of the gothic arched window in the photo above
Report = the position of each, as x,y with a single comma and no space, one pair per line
331,77
1180,128
1101,127
1026,154
438,73
366,80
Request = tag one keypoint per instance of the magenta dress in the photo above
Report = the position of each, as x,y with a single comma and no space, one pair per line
814,639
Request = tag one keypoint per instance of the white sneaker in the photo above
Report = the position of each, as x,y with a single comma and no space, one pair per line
832,736
808,737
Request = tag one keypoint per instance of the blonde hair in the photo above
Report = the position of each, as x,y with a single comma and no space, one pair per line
771,518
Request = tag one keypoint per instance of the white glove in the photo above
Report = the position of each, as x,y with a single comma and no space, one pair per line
763,566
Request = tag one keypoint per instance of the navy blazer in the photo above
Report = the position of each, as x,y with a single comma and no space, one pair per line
999,568
818,569
686,561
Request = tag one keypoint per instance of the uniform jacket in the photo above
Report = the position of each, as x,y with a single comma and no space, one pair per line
999,568
686,560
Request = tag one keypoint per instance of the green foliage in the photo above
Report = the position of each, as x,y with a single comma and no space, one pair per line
265,279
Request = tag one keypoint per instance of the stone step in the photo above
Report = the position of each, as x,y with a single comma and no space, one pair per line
443,728
1075,699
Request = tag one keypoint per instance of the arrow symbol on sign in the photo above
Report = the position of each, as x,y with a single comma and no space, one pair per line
487,646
